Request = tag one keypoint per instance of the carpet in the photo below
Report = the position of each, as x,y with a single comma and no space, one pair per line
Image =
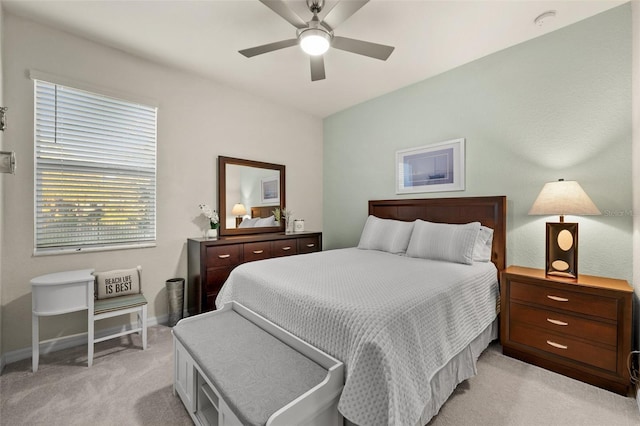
128,386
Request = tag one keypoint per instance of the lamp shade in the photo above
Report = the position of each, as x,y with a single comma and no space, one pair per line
564,197
239,209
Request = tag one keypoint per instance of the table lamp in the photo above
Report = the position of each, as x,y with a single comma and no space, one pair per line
238,211
562,198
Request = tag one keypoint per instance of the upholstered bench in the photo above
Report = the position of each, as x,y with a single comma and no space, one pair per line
234,367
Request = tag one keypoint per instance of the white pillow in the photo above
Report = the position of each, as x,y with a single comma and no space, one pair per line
248,223
484,243
266,221
443,241
385,235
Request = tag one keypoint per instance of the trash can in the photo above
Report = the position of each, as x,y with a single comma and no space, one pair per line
175,296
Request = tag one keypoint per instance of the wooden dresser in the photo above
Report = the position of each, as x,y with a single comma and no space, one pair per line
211,261
580,328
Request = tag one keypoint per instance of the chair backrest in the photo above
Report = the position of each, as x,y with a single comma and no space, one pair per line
118,282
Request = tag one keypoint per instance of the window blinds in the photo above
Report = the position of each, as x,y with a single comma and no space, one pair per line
95,170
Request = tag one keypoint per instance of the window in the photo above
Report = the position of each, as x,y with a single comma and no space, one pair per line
95,171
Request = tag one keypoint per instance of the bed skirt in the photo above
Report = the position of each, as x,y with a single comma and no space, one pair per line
456,371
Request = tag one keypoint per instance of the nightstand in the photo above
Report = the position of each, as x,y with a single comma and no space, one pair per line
577,327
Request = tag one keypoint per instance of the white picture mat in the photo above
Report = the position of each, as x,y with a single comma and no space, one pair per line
270,190
434,168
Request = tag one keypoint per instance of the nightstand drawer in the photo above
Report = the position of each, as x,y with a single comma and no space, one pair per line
224,255
284,247
566,300
597,331
564,346
257,251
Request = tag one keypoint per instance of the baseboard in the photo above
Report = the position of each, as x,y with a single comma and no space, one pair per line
71,341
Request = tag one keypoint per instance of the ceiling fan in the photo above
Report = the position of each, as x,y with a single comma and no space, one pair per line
315,36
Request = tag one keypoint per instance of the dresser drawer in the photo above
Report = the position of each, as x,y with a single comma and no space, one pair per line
284,247
257,251
308,245
224,255
216,278
565,346
572,325
564,299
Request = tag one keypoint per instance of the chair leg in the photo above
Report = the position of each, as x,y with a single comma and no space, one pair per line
90,337
144,327
35,342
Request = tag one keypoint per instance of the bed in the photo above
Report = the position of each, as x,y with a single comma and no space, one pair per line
408,327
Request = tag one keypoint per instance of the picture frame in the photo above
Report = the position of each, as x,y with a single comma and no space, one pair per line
270,190
431,168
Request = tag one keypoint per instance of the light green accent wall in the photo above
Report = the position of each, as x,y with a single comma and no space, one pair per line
558,106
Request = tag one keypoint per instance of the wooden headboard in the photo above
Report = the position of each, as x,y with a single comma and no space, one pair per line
489,211
262,211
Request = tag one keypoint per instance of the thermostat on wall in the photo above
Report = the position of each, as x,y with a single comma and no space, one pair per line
7,162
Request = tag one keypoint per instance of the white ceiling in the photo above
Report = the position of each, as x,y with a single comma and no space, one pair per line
204,37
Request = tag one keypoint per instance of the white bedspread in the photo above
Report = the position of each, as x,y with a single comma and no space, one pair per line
394,321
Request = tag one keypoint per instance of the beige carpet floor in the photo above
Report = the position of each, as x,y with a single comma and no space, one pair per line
128,386
125,386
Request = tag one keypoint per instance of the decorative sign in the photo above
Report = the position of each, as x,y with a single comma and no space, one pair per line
117,283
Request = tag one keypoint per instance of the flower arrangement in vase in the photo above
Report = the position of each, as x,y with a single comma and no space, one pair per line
285,214
214,220
277,215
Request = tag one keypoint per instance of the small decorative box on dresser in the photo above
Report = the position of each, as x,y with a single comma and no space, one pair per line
211,261
580,328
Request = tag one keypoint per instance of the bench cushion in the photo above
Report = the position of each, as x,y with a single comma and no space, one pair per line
117,303
255,373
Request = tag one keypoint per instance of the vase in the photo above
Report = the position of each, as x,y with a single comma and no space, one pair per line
212,234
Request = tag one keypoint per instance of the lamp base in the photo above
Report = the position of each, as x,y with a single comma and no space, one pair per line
562,249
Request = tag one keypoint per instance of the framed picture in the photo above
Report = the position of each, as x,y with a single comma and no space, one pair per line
431,168
270,193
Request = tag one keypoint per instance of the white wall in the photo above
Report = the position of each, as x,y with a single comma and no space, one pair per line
635,112
197,121
2,180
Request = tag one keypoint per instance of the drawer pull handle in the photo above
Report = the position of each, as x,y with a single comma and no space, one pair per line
556,345
224,256
557,322
311,245
258,251
286,248
557,299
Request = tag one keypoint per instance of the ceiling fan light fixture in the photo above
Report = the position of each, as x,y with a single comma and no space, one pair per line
314,41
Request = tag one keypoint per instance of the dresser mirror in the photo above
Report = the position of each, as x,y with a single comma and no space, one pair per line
249,192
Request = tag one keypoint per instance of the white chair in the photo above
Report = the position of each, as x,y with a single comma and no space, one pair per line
109,303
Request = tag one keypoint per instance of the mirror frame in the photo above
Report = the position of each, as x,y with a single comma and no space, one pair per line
222,195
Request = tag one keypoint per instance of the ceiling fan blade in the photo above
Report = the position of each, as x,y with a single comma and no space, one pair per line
366,48
281,8
317,68
341,12
265,48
